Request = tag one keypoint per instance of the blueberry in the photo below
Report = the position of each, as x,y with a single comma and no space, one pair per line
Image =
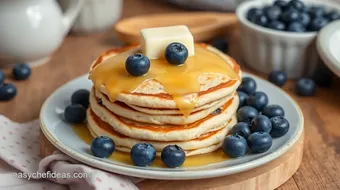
316,11
305,19
248,85
176,53
137,64
305,87
317,23
277,25
253,13
333,15
273,110
234,146
21,71
242,97
290,15
323,77
81,97
173,156
280,126
2,77
296,27
257,100
143,154
261,20
221,44
281,3
7,91
75,113
246,114
278,78
102,147
261,123
217,111
273,12
259,142
296,4
242,129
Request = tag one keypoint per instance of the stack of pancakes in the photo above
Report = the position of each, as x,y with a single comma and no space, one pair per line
149,113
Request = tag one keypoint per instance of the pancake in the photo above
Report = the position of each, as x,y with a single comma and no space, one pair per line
101,128
152,94
125,111
156,132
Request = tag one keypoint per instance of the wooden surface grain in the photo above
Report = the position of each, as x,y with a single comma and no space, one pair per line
320,168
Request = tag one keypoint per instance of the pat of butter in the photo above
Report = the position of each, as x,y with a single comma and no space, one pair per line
155,40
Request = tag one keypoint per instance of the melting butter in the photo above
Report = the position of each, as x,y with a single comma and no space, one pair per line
178,81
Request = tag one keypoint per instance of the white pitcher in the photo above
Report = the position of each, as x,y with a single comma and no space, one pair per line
31,30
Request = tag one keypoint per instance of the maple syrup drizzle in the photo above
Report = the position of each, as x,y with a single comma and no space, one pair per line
122,157
178,81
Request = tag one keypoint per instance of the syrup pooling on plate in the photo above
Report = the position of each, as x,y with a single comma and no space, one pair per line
181,82
191,161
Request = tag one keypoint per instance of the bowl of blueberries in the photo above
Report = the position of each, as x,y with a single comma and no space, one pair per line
280,34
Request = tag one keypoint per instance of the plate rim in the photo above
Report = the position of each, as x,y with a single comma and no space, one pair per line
166,175
322,45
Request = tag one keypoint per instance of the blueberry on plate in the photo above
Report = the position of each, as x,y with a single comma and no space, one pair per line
305,19
273,110
143,154
242,98
261,20
296,4
253,13
7,91
246,114
176,53
305,87
278,78
21,71
296,27
290,15
261,123
75,113
316,11
242,129
259,142
333,15
102,147
248,85
257,100
81,97
173,156
2,77
273,12
317,23
221,44
277,25
281,3
234,146
280,126
137,64
323,77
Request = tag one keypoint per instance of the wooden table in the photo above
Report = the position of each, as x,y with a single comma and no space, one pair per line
320,168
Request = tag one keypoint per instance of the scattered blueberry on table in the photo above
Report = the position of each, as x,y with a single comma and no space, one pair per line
305,87
7,91
102,147
143,154
173,156
137,64
176,53
278,78
81,97
292,16
234,146
21,71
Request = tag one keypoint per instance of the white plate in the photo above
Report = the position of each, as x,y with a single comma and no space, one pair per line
61,135
328,45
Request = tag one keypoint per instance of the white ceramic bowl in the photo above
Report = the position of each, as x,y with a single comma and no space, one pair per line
266,50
